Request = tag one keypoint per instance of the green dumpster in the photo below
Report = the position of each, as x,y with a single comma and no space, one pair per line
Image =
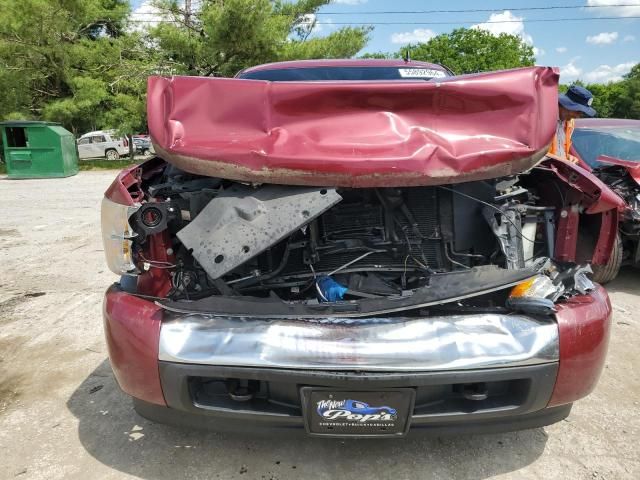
38,150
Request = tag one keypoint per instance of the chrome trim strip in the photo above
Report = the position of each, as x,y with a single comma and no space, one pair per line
458,342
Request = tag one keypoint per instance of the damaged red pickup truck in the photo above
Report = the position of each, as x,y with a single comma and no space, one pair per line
357,248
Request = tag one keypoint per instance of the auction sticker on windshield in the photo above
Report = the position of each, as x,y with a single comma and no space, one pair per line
421,73
383,413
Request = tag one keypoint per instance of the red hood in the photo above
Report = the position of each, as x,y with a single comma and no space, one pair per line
357,134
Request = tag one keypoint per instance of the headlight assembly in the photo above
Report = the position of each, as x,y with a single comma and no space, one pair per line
117,235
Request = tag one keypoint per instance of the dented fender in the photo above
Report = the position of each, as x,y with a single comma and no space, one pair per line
597,199
597,196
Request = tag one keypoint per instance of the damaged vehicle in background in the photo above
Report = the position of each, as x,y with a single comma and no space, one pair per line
610,149
356,248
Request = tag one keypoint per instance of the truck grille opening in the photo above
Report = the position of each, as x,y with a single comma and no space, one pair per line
272,397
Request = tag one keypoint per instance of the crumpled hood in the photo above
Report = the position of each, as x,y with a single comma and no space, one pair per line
355,134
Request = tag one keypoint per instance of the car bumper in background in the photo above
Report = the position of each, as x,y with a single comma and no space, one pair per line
178,367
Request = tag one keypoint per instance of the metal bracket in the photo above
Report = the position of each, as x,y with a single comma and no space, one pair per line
509,237
242,222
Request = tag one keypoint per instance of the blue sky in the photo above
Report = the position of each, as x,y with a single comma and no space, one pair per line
596,50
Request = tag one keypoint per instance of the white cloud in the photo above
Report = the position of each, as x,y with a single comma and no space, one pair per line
309,21
561,49
326,23
514,26
317,25
417,35
539,52
608,73
570,71
146,16
629,38
350,2
604,38
631,8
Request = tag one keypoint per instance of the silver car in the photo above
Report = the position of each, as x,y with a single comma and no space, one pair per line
102,144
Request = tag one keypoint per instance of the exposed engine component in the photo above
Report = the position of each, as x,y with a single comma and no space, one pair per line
620,181
300,249
242,222
153,217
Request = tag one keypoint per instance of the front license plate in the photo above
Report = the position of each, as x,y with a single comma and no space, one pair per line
360,414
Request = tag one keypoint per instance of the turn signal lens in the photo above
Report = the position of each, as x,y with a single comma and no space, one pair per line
536,296
521,289
539,286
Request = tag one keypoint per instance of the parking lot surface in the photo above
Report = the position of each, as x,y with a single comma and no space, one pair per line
62,415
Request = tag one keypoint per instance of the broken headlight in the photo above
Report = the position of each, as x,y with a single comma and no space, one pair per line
117,235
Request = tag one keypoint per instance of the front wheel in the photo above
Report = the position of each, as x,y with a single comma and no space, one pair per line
112,155
146,152
605,273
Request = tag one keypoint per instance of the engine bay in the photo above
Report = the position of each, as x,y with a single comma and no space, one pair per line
298,251
620,181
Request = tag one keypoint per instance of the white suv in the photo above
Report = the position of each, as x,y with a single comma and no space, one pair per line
102,144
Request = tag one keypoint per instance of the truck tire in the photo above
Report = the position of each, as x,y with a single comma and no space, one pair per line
146,152
605,273
111,154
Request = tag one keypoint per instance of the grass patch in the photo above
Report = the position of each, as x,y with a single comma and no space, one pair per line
84,165
87,165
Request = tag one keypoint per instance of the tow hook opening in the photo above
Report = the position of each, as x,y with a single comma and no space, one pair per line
475,391
242,390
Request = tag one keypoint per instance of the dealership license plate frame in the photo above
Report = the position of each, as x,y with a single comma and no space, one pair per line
401,399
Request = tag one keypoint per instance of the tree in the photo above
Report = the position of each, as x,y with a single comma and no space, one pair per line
85,63
627,104
224,37
470,50
72,61
619,99
605,97
379,55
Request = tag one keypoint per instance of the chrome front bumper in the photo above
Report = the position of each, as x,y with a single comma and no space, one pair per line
458,342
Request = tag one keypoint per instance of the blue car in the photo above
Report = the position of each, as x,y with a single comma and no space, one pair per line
356,406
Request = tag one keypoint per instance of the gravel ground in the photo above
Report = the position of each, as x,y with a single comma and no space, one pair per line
63,417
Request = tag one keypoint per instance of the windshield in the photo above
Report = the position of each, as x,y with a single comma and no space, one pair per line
621,142
344,73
